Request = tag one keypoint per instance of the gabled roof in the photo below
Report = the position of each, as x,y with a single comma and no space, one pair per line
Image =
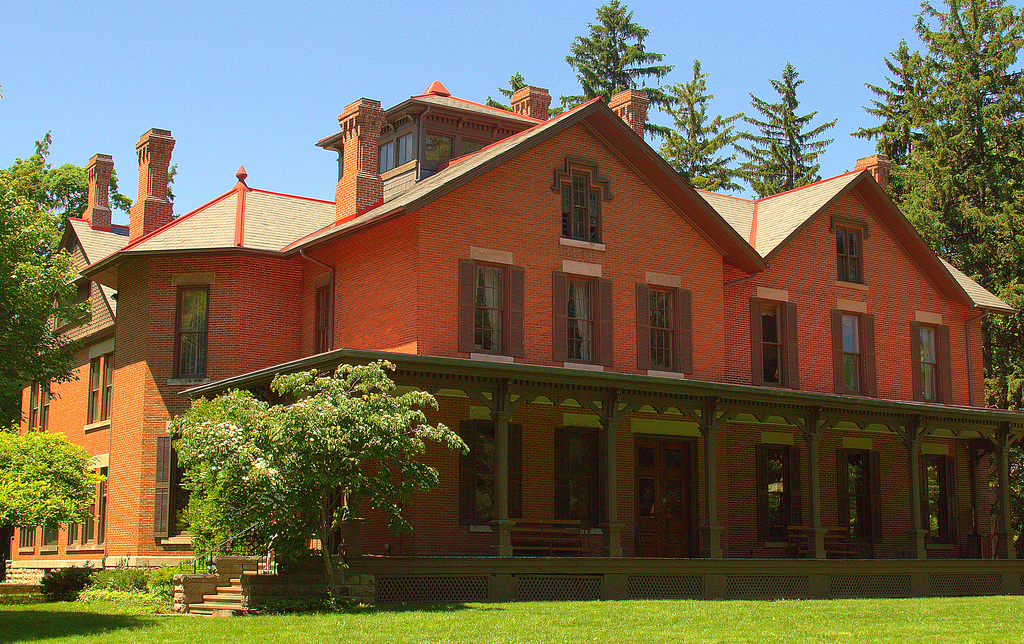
96,245
983,299
606,125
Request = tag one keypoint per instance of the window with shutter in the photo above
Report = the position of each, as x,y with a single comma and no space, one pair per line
491,308
778,476
322,339
859,494
773,343
577,484
476,472
853,353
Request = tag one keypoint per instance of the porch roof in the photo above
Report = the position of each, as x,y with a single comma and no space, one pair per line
436,373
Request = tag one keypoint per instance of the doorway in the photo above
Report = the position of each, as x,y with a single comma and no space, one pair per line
665,497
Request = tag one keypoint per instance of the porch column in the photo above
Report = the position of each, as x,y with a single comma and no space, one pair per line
711,532
501,526
1003,463
611,418
812,427
912,441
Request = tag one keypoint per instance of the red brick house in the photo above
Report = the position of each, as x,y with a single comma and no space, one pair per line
701,395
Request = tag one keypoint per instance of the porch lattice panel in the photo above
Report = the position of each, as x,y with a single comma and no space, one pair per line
964,584
843,586
665,587
432,589
558,587
766,587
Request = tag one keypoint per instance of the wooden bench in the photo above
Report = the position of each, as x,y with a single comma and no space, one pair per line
838,544
548,538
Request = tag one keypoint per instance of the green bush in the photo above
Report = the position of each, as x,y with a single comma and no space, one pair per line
64,585
134,602
130,580
161,582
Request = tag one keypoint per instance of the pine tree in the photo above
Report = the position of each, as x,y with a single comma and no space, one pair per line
695,147
612,58
783,154
515,83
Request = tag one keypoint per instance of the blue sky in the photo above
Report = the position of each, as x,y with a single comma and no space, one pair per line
258,83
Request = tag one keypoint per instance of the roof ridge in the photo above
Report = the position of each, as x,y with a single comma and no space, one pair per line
719,194
290,196
489,107
838,176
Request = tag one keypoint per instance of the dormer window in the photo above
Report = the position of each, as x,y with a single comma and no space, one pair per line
582,191
387,157
439,148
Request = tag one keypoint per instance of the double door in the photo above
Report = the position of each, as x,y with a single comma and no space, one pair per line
664,491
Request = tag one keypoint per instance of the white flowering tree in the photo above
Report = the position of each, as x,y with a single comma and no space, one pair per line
296,471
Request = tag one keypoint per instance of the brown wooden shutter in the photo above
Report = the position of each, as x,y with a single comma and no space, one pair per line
683,348
467,305
843,487
875,472
867,355
795,500
643,326
945,375
559,317
839,382
761,475
161,513
516,308
606,325
756,343
791,347
467,474
951,514
915,360
515,471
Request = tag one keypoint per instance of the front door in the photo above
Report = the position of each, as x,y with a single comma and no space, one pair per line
663,492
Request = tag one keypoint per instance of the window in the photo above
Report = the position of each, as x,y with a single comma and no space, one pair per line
439,148
101,515
853,353
577,489
859,493
50,536
387,157
581,190
491,303
26,538
778,496
929,363
936,491
404,148
930,369
773,343
38,405
580,315
322,340
193,305
467,146
476,473
101,379
848,255
664,329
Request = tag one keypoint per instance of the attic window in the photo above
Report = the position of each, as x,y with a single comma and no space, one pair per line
582,191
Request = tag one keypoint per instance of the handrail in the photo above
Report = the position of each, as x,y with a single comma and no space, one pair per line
197,558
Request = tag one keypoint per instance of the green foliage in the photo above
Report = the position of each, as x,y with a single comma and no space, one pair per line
139,602
44,480
612,58
297,470
515,83
783,153
64,584
288,605
695,147
161,580
128,580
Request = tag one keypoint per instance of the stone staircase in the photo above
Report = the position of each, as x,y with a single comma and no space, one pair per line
228,595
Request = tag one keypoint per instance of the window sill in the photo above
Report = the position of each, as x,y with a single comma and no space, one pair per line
183,539
855,285
583,366
178,382
491,357
579,243
89,547
26,551
100,424
47,550
939,546
678,375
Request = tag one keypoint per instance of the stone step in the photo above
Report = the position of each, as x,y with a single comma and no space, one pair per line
223,597
210,609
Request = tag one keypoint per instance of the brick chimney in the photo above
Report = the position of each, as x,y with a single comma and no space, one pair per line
97,209
152,209
532,102
360,187
631,105
878,165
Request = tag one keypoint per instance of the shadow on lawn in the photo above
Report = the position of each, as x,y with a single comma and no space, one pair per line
31,625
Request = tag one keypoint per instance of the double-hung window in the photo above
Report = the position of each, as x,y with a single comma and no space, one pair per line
848,255
859,493
477,494
931,371
582,316
491,307
577,484
778,495
38,405
101,379
322,339
405,147
937,484
582,190
853,353
929,363
387,157
773,343
192,325
664,328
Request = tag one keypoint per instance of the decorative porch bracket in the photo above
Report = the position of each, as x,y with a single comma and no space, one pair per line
502,407
709,418
610,412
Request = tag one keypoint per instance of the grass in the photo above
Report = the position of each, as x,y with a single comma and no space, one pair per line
906,621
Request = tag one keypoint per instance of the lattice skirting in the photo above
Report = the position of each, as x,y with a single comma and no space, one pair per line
767,587
965,584
665,587
558,587
843,586
432,589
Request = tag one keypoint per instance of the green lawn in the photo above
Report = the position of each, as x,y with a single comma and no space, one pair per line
947,621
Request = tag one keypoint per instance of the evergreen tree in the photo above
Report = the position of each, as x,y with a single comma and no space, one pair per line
612,58
783,154
695,147
515,83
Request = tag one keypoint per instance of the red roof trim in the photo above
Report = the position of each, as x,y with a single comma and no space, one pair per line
174,222
496,109
284,194
241,189
753,228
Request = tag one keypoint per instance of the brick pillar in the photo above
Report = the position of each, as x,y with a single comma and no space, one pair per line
97,210
878,165
360,187
152,209
631,106
532,102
